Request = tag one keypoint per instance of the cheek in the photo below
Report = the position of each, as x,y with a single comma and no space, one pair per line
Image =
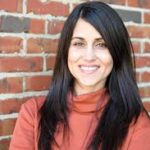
109,65
72,58
73,55
109,61
106,60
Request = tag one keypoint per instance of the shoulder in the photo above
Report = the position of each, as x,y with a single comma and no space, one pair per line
142,126
143,122
32,106
140,133
26,128
35,102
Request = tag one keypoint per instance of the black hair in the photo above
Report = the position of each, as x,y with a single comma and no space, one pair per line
124,105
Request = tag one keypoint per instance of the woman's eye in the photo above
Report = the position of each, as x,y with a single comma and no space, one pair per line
103,45
80,44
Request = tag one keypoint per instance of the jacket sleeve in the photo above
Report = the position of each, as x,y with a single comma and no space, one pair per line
23,135
141,137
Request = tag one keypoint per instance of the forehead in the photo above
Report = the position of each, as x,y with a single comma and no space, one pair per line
85,30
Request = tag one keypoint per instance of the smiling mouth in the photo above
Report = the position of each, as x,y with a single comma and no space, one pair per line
88,69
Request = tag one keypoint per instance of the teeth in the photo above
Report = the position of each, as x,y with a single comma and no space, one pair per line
87,68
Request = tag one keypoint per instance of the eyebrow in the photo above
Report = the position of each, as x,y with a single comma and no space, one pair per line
80,38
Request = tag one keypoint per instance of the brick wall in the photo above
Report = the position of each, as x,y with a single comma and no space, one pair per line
29,32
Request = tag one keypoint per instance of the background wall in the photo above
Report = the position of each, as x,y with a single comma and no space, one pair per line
29,32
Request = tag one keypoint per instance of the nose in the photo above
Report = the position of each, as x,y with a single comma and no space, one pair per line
89,54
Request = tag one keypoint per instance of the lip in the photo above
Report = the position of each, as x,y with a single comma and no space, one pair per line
89,69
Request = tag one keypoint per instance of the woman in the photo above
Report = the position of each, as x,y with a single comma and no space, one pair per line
93,102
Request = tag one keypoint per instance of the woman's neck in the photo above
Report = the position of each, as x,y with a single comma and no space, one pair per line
80,90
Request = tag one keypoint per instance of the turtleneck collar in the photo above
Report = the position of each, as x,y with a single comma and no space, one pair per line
90,102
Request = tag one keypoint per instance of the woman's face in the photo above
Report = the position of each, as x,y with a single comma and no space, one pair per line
89,60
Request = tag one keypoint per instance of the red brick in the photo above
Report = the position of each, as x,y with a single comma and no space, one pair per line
147,18
138,77
147,47
37,83
4,144
37,26
144,92
116,2
139,32
27,64
139,3
145,77
142,62
132,3
50,62
11,105
10,44
136,47
53,8
55,27
7,126
42,45
11,85
15,6
147,106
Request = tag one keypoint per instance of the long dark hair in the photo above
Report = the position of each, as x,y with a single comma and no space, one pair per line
124,105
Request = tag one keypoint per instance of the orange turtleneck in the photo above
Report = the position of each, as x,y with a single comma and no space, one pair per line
83,118
91,102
